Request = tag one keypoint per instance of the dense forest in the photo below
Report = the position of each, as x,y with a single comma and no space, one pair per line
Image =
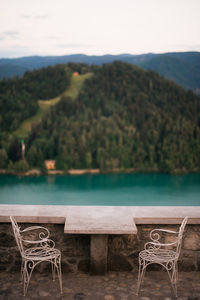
124,117
19,96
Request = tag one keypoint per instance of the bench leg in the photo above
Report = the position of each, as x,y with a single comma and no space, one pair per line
98,254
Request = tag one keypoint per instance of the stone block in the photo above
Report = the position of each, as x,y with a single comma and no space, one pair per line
195,228
187,265
144,232
131,241
116,244
44,267
68,240
119,263
16,265
192,241
187,261
71,265
198,261
122,243
5,258
72,261
76,245
7,240
84,265
134,260
67,268
170,239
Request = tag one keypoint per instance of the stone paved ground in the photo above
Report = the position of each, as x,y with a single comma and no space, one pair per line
113,286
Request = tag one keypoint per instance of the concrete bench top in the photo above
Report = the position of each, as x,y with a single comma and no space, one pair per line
99,220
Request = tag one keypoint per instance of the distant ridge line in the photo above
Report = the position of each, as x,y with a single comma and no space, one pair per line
181,67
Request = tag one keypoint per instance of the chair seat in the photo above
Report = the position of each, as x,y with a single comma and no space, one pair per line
41,253
159,255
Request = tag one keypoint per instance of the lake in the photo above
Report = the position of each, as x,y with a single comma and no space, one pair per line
102,189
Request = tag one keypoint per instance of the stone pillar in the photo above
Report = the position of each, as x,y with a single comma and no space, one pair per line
98,254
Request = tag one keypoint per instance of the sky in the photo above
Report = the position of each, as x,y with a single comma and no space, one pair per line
97,27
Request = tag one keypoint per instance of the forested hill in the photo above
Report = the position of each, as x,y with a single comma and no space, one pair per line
182,67
124,117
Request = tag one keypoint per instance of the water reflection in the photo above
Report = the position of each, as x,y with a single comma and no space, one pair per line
98,189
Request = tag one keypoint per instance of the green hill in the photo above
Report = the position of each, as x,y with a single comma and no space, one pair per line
115,116
124,118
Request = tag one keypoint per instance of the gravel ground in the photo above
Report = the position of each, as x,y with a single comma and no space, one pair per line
112,286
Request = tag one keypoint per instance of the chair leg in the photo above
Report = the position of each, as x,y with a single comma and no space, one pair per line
141,274
27,273
22,271
173,276
60,275
53,267
57,265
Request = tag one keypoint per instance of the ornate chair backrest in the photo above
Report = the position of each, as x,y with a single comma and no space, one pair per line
17,234
180,235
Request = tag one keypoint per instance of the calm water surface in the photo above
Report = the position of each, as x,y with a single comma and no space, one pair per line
109,189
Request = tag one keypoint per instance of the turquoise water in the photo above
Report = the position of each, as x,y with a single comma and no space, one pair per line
109,189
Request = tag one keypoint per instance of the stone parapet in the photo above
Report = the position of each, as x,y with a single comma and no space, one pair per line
122,250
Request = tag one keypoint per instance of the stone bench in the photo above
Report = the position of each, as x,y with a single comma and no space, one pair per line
99,221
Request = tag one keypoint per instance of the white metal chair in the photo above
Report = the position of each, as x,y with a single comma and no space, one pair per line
35,251
164,254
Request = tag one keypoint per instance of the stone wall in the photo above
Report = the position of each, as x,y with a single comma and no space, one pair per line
122,249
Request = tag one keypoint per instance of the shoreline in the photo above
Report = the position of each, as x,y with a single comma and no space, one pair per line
37,172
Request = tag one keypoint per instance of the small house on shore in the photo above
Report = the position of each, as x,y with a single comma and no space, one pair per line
50,164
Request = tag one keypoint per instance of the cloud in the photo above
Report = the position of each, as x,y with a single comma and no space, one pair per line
184,47
194,47
73,46
16,51
35,17
53,37
11,33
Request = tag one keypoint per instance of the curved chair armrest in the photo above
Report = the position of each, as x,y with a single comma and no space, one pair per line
150,246
44,243
41,233
35,228
155,236
164,230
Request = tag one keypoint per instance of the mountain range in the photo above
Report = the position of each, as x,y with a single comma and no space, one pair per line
180,67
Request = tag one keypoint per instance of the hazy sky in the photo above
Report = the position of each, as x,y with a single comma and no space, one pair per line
59,27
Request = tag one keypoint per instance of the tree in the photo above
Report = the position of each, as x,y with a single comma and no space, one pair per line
21,166
3,159
88,160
